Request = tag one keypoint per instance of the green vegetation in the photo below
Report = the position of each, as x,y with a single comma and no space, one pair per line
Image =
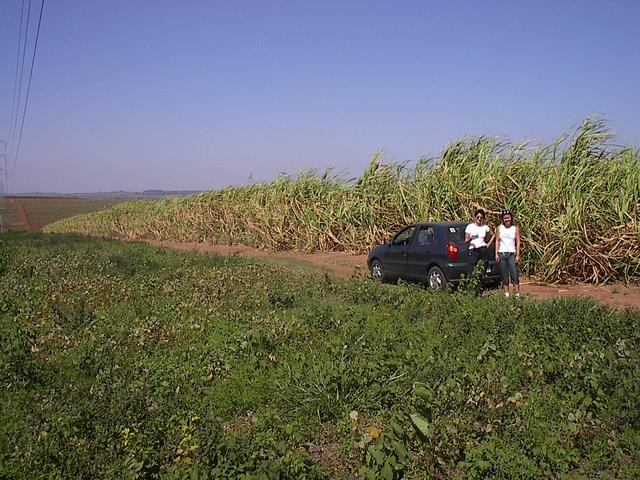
577,201
126,361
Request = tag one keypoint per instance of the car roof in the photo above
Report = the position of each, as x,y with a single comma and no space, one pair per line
442,224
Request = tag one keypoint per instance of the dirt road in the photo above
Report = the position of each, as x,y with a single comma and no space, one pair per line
619,296
22,219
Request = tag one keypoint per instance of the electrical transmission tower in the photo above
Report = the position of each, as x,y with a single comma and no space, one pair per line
4,211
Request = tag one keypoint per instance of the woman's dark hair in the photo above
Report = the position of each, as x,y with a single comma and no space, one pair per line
505,213
481,212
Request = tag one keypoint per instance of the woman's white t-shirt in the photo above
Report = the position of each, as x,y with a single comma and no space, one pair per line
477,234
507,239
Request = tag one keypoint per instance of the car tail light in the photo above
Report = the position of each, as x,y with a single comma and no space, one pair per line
452,251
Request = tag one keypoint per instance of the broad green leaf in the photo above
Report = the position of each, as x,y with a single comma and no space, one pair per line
424,394
421,424
378,456
401,450
397,429
387,472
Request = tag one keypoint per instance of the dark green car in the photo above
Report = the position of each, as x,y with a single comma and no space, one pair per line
433,252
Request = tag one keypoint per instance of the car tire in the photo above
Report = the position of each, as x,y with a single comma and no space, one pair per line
436,279
377,271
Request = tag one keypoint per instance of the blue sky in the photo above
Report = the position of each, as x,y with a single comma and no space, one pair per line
132,95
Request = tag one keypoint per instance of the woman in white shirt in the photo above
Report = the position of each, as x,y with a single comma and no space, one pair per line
508,252
475,235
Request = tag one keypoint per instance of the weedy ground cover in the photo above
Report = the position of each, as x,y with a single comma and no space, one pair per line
127,361
577,201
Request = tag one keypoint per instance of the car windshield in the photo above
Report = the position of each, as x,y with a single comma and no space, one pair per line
455,233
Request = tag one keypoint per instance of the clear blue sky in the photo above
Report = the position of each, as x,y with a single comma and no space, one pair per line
132,95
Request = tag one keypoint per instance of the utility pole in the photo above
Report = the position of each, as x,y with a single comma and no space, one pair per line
4,212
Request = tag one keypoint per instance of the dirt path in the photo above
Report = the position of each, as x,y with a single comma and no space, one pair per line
343,264
22,219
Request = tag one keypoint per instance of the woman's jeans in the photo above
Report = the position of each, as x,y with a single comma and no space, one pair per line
509,268
476,256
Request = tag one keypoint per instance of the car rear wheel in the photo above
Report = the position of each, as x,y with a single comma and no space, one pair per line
377,271
436,279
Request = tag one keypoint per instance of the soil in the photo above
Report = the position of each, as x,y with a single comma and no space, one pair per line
22,219
619,296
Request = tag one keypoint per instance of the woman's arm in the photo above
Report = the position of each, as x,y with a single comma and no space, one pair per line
517,244
493,237
497,237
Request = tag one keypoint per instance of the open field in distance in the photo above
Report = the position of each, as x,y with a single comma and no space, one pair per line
33,213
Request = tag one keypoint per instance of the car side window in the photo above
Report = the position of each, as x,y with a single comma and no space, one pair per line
425,236
404,236
455,233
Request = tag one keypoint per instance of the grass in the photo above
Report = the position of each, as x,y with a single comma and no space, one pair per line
127,361
576,201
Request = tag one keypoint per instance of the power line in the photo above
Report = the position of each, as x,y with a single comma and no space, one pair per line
24,54
26,101
14,106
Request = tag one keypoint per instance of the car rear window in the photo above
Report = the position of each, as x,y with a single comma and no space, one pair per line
455,233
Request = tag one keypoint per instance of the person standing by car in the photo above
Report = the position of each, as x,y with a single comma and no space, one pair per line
476,235
508,252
